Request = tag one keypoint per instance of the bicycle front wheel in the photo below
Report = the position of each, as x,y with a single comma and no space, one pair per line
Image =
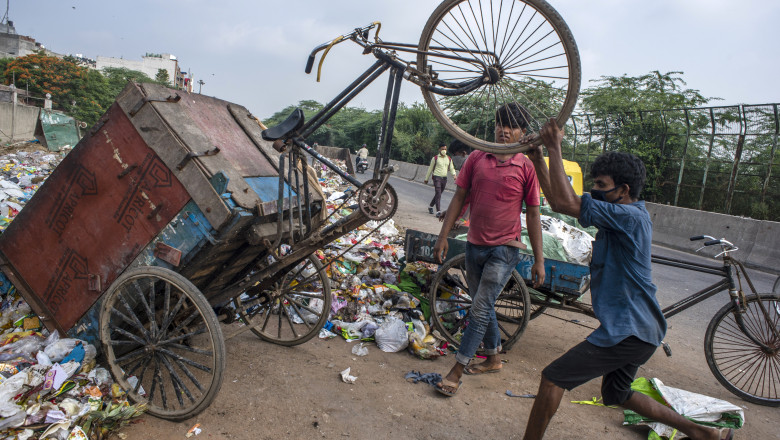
743,367
523,52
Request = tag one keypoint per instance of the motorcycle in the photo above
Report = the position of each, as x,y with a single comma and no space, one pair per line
362,165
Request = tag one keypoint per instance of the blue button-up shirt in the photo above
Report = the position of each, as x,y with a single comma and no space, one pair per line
621,286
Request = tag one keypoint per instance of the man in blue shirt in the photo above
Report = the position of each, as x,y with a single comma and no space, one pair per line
622,290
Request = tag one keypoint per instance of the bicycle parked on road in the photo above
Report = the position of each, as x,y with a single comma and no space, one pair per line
741,343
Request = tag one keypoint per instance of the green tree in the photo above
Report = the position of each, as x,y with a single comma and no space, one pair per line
162,77
74,89
632,111
118,77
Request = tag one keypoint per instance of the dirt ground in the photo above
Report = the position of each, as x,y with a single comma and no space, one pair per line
272,392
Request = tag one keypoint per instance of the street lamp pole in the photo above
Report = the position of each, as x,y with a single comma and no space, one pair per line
200,85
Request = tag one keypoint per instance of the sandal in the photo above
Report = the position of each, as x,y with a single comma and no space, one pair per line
447,383
480,368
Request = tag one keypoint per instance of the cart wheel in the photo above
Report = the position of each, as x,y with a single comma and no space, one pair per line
521,50
374,205
294,310
450,303
163,342
743,367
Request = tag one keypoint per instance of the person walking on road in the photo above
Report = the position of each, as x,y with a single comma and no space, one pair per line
496,186
623,294
441,165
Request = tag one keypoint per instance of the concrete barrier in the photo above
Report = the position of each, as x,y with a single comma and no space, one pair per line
22,124
758,240
422,170
404,170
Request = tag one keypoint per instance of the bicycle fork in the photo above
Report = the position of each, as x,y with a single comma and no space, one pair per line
739,308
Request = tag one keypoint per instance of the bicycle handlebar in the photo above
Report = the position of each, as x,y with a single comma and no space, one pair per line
358,32
726,246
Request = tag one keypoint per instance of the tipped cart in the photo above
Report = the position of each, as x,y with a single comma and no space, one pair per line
171,220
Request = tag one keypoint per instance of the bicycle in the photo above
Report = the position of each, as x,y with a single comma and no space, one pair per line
741,343
472,57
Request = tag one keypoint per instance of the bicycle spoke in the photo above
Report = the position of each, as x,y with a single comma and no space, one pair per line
737,361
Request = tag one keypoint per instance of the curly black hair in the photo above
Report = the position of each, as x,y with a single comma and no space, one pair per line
512,115
623,168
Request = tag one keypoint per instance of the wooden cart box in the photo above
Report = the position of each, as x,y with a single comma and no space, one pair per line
166,178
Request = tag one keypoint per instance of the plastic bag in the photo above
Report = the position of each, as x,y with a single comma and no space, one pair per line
391,336
359,350
58,350
24,347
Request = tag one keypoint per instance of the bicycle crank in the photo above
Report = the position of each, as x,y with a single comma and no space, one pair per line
377,200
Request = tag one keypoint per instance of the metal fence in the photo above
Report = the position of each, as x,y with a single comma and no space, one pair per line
718,159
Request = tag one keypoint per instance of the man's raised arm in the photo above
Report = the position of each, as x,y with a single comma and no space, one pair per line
555,184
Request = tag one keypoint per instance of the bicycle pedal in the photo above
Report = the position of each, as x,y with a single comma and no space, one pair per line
667,349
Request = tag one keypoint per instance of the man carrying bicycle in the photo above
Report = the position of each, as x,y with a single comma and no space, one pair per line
496,186
632,324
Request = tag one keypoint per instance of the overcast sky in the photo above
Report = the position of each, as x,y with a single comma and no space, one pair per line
253,52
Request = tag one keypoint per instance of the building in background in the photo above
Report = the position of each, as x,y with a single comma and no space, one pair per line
150,64
13,45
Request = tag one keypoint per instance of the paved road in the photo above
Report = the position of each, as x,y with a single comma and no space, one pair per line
673,283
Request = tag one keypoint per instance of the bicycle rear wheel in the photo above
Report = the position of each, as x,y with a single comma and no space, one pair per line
739,364
523,49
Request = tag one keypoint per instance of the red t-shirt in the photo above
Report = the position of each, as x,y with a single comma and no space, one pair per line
496,194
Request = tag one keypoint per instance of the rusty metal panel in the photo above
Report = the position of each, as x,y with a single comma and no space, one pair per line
211,115
202,123
100,207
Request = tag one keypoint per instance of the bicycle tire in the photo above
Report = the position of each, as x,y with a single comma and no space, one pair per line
737,362
156,326
449,31
294,310
449,316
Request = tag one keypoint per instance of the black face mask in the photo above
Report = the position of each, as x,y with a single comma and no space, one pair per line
598,194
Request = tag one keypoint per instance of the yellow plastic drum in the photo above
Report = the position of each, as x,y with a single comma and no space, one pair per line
573,170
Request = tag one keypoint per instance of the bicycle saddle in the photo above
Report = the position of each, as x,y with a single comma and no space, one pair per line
289,125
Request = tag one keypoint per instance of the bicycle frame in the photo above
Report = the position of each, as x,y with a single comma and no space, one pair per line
726,282
398,71
726,272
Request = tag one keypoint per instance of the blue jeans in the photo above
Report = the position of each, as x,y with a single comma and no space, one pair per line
488,269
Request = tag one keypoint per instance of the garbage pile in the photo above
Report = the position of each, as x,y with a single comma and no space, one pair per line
21,174
50,387
376,295
563,238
